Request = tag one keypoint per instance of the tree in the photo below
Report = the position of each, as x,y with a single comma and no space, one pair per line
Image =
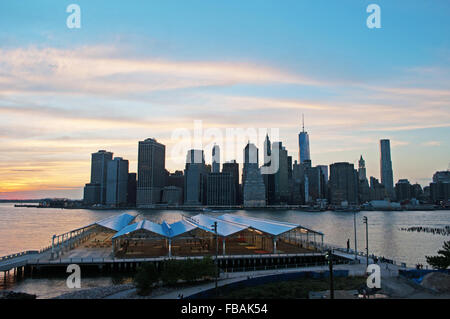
442,261
145,278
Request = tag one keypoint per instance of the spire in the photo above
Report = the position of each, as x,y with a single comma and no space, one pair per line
303,122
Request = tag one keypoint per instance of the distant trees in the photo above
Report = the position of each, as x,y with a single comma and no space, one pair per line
442,261
171,272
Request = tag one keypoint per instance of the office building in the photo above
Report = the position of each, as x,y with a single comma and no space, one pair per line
387,177
220,189
232,167
151,172
303,144
117,182
343,184
99,166
195,175
254,191
216,159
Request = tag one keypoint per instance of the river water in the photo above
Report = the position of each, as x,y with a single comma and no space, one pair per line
32,228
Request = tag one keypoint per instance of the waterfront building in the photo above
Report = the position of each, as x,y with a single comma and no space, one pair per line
442,176
232,167
220,189
303,144
131,189
440,192
172,195
193,236
403,190
216,159
176,179
91,194
99,166
117,182
343,183
195,175
416,191
387,177
151,172
377,190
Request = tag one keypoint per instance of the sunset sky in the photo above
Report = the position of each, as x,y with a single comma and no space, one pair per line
139,69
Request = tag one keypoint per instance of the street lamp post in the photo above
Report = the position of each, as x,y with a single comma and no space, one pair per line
214,226
367,240
329,257
354,226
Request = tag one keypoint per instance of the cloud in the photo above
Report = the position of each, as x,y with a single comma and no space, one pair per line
102,70
432,143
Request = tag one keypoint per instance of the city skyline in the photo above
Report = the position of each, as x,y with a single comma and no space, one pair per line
139,71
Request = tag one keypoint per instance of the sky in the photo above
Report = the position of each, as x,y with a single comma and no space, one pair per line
139,69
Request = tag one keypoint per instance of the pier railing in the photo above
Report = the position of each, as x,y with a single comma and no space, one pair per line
23,253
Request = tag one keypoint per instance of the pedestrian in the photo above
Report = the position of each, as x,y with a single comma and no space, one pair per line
348,244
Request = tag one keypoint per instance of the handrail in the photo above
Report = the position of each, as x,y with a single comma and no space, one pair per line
23,253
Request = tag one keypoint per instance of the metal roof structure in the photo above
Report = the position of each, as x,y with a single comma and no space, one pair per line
144,224
227,224
224,228
115,222
267,226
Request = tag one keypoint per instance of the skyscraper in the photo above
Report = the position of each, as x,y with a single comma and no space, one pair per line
362,169
151,172
281,177
220,189
254,191
387,178
99,165
303,144
216,159
232,167
195,175
343,183
117,182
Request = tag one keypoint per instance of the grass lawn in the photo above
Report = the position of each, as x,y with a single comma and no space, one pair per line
292,289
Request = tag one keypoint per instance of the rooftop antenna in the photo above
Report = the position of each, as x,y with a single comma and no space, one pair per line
303,122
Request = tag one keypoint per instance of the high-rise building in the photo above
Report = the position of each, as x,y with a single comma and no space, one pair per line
403,190
442,176
91,194
254,191
343,183
303,144
232,167
99,166
132,187
377,190
117,182
324,169
220,189
387,177
195,175
362,169
151,172
216,159
281,177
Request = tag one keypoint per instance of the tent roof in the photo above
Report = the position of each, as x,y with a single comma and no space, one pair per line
144,224
115,222
181,227
224,228
268,226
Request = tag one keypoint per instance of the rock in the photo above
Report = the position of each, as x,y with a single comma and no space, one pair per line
15,295
437,281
